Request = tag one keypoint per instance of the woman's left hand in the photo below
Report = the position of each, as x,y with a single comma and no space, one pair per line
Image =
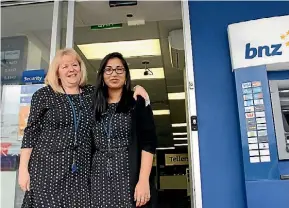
139,90
142,193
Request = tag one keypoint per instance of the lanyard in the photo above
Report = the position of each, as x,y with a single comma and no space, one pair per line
108,130
108,134
76,122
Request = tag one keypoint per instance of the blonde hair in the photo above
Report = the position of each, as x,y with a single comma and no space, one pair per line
52,78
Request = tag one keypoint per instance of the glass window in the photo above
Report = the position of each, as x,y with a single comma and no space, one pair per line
25,40
25,45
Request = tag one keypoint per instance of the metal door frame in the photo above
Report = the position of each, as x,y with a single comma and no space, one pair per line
193,138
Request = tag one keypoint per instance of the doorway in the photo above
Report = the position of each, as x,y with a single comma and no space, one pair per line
153,44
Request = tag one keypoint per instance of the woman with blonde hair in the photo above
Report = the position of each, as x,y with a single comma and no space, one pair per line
55,157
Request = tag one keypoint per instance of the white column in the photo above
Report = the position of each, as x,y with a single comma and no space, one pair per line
70,24
56,28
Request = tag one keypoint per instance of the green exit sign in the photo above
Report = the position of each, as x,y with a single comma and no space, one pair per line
106,26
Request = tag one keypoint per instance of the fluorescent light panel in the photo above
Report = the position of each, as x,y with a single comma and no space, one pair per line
179,125
176,96
128,49
165,148
180,145
180,139
161,112
179,133
138,74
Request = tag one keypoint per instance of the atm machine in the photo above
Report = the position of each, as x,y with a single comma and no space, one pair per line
259,52
279,90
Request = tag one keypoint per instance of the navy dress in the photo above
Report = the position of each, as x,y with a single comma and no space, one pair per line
110,171
117,158
50,132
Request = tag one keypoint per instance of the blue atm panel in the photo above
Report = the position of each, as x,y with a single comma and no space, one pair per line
263,168
257,128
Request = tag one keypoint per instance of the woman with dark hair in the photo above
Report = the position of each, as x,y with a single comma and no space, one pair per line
125,140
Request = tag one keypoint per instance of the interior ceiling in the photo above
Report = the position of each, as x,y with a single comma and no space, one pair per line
36,25
156,27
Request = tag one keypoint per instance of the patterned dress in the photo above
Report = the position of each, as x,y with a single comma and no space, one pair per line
50,132
110,169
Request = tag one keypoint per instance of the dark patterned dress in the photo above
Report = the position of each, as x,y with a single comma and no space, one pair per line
50,132
110,169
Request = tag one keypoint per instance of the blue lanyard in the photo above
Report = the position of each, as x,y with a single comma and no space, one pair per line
76,120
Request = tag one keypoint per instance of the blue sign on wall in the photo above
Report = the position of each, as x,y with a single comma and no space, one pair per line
33,76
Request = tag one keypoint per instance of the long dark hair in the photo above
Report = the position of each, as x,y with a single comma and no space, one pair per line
101,91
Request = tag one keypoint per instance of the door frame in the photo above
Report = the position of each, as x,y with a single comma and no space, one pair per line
193,136
189,84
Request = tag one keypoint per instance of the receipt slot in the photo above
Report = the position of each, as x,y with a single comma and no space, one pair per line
262,89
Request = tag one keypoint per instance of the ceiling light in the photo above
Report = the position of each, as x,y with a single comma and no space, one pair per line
165,148
179,125
180,145
161,112
180,133
138,74
128,49
176,139
176,96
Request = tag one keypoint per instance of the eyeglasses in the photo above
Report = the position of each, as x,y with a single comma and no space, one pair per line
110,70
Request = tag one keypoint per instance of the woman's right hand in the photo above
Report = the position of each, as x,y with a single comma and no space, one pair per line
24,179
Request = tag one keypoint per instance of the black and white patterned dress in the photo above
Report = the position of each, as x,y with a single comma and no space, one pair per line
110,170
50,132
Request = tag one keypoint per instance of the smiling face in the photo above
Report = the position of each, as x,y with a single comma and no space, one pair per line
69,71
114,74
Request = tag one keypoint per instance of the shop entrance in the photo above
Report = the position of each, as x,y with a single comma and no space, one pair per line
153,36
152,42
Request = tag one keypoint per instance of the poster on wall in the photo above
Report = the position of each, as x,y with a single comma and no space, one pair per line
13,59
14,115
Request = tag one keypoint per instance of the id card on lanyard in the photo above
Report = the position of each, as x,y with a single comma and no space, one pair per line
76,122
